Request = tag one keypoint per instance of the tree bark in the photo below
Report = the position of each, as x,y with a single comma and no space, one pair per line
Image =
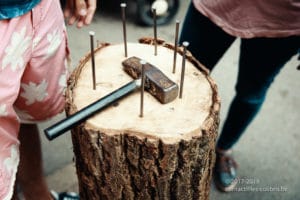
127,167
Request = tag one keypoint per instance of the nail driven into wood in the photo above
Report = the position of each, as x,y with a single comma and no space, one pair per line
155,30
185,45
123,8
176,45
92,33
143,63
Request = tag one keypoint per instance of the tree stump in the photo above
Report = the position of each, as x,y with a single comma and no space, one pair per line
167,154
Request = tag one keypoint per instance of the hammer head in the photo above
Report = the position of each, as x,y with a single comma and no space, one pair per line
158,84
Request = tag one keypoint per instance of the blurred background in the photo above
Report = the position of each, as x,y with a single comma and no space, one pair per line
268,153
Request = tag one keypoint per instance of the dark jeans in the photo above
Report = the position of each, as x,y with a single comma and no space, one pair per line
260,61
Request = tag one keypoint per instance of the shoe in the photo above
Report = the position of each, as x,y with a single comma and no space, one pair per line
64,195
225,176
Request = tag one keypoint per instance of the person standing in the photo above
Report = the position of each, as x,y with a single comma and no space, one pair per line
269,32
33,73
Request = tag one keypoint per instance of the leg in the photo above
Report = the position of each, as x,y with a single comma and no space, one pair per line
30,173
207,41
41,93
22,74
260,61
14,55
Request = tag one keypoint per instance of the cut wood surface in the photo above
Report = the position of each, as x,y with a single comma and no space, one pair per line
167,154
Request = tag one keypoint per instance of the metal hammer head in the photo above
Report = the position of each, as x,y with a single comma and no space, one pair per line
158,84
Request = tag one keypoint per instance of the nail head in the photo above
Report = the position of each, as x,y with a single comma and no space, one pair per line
92,33
185,43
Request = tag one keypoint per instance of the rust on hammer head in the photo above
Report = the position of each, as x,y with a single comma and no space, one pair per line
158,84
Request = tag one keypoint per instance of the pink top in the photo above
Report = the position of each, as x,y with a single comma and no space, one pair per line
253,18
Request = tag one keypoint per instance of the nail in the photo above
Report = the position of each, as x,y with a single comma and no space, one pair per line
123,7
175,45
143,63
185,45
92,33
155,31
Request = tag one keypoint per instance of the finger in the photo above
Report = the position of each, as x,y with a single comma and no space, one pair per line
89,17
68,8
72,20
92,5
80,22
81,7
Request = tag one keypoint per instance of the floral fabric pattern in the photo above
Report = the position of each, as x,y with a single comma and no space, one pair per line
33,74
9,169
34,92
15,51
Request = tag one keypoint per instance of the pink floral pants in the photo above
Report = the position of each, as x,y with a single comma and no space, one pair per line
33,73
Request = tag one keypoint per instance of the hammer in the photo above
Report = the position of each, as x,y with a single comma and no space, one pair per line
156,83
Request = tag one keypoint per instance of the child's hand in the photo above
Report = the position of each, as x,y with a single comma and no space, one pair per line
80,11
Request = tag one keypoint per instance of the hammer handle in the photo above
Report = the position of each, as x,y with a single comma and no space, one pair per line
66,124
